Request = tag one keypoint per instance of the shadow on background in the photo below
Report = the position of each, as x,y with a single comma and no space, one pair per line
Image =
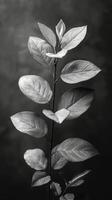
18,20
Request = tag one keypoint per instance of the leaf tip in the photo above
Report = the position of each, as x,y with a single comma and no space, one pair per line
30,39
39,24
12,118
21,81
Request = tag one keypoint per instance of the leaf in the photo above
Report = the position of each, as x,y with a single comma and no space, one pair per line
57,160
73,37
62,198
69,41
30,124
77,180
76,101
38,49
60,54
77,150
78,183
48,34
56,188
79,70
58,116
36,88
36,159
68,196
60,29
40,178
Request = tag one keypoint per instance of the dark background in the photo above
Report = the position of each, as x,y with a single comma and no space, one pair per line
18,20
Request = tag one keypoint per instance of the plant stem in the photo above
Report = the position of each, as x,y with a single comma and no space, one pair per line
53,106
64,190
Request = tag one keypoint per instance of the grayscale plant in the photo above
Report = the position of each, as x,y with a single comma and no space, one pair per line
73,103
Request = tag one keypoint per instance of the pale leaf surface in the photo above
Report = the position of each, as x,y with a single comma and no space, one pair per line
38,49
58,116
76,101
77,150
68,196
48,34
76,179
59,54
40,178
73,37
36,159
78,71
60,29
57,160
36,88
27,122
56,188
77,183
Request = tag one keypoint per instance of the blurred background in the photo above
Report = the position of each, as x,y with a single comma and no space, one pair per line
18,21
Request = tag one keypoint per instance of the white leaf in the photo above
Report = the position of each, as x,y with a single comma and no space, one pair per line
40,178
58,116
73,37
76,101
27,122
57,160
62,198
79,176
78,183
60,29
79,70
77,180
36,159
38,49
56,188
59,54
36,88
48,34
76,150
68,196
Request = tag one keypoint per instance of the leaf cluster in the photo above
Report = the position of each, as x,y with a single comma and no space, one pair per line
73,103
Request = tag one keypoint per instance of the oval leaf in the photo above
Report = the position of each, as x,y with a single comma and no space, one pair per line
76,101
58,116
68,196
36,159
76,150
38,49
78,183
60,29
35,88
40,178
48,34
30,124
57,160
73,37
56,188
79,70
77,180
